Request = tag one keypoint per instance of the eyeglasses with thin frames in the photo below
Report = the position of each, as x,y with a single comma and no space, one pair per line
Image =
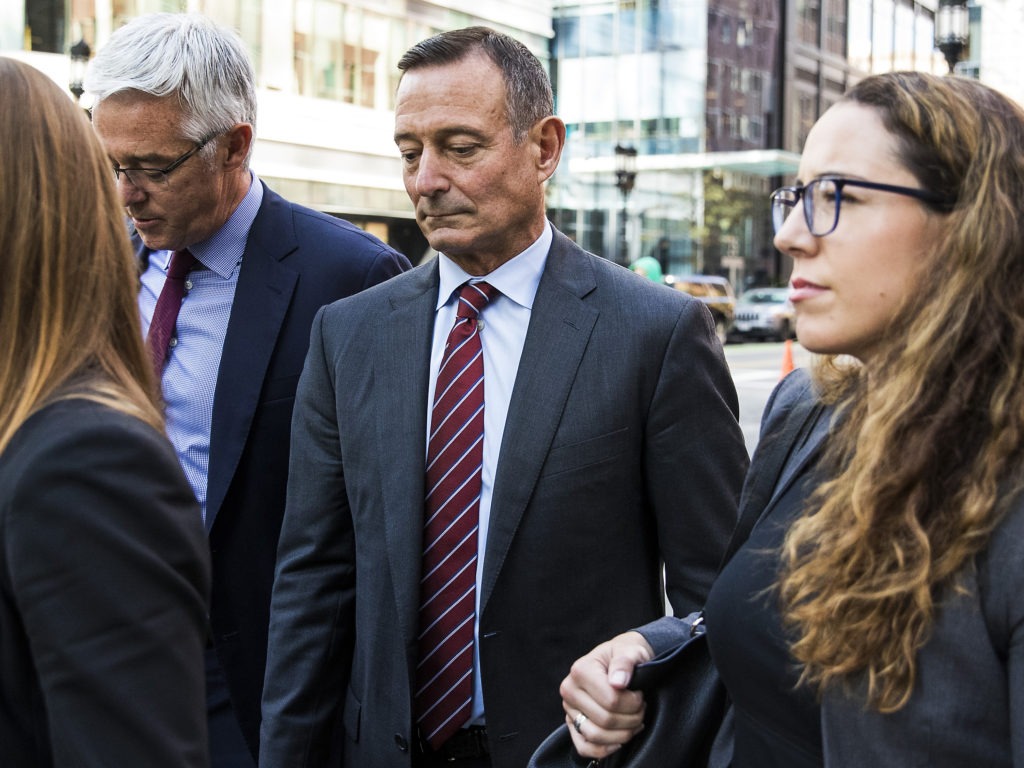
150,178
823,197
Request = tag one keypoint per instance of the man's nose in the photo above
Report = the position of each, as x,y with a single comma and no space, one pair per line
129,193
430,176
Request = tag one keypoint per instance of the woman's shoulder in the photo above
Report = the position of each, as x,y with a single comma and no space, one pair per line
79,417
80,429
794,388
794,394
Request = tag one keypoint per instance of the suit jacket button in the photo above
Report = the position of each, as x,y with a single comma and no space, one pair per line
401,743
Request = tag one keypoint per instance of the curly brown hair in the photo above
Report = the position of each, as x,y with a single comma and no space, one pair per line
928,448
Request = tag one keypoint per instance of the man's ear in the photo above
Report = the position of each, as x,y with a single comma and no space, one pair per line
239,140
549,136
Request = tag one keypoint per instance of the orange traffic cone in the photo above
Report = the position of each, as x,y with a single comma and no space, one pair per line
787,359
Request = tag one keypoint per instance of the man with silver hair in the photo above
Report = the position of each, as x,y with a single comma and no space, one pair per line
231,277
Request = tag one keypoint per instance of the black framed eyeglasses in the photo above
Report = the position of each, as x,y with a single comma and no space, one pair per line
148,178
822,198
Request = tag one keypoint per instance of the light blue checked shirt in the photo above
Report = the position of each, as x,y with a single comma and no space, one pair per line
190,377
505,320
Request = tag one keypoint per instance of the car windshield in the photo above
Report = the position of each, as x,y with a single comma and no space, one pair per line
757,296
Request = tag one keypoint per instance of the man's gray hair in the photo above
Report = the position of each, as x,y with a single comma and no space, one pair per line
206,66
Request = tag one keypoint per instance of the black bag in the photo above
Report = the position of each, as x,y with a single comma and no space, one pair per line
686,706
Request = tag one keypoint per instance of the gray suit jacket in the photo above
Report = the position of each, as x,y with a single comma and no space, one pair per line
621,449
967,708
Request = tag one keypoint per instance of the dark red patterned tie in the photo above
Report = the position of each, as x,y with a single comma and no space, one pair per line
161,329
444,676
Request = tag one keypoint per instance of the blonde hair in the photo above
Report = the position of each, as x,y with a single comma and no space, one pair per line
68,301
928,448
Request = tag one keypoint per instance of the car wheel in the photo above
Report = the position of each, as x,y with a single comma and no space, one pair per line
784,331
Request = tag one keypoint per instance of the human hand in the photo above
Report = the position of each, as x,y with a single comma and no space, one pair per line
601,712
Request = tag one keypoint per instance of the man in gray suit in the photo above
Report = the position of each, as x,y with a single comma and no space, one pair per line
609,451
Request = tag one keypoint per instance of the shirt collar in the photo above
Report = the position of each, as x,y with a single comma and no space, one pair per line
517,278
222,252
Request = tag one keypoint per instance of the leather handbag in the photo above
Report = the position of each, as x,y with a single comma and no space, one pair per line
688,722
686,709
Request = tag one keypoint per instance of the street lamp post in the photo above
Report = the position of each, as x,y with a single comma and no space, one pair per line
80,53
625,178
952,30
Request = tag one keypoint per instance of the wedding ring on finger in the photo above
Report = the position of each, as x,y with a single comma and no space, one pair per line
578,722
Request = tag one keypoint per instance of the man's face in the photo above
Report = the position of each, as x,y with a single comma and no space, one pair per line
142,131
479,196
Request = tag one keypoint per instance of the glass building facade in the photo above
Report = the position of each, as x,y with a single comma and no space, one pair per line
717,98
691,86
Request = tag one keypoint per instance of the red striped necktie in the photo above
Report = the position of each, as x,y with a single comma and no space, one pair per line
444,675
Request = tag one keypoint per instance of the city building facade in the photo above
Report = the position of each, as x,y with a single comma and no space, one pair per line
716,97
326,74
682,115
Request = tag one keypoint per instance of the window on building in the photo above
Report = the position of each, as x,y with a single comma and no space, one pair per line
597,37
44,26
924,39
126,10
334,53
903,35
834,33
755,129
860,36
882,35
806,114
744,33
808,21
246,16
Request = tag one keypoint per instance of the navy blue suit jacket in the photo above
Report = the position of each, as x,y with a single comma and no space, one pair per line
296,260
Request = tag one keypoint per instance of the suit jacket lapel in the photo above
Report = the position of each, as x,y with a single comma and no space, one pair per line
560,326
763,488
264,292
401,370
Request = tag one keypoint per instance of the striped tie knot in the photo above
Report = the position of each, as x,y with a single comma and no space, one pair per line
473,297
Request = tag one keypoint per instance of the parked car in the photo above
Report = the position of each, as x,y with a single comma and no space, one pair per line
764,313
716,293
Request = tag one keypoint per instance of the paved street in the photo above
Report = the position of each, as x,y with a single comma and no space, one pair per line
755,370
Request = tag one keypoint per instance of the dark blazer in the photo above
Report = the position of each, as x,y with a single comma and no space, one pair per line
967,707
104,582
296,260
621,448
794,426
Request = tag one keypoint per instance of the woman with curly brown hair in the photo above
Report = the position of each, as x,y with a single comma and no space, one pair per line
104,566
875,616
